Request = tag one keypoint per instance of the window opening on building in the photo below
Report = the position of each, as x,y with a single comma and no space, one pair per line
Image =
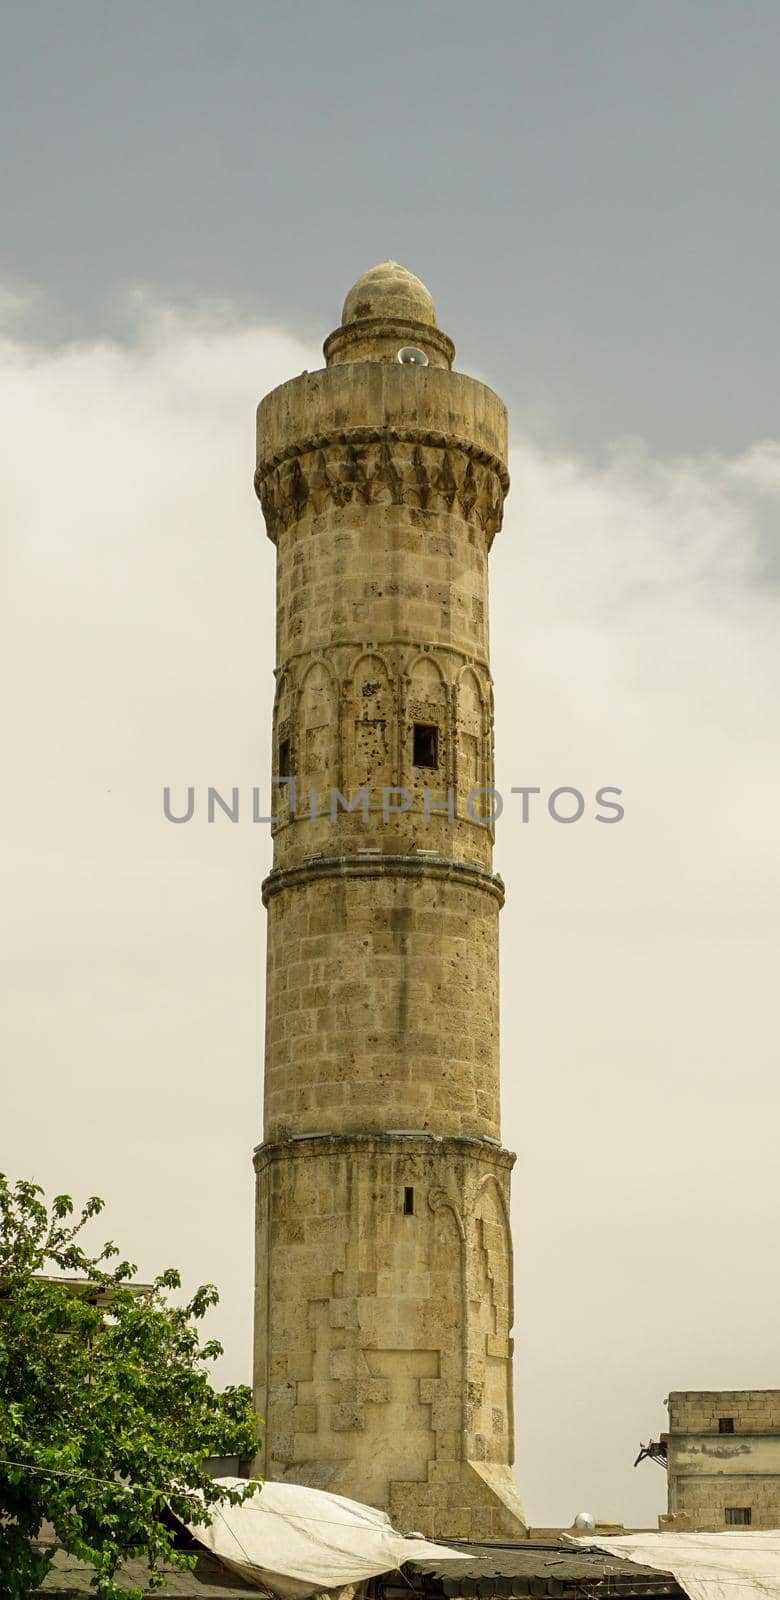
725,1424
408,1202
284,758
425,745
738,1516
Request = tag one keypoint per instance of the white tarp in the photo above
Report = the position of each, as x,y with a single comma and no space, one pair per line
738,1565
297,1541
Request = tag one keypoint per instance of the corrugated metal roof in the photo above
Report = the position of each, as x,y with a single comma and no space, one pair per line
537,1569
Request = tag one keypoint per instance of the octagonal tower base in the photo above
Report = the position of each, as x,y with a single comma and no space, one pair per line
383,1349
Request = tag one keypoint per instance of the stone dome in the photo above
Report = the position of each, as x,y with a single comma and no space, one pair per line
389,290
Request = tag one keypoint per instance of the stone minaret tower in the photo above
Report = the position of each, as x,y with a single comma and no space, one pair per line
383,1357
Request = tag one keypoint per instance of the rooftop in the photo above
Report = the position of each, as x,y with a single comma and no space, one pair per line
69,1576
555,1569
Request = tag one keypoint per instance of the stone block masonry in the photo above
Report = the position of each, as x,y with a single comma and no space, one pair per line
723,1458
383,1350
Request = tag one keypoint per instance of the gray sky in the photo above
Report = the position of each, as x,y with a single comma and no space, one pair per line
592,187
590,192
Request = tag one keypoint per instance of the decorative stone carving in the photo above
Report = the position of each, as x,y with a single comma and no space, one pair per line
317,718
372,718
384,469
380,695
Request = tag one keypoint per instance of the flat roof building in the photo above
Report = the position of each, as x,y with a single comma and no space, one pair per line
722,1456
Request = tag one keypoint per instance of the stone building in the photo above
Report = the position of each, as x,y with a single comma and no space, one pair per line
722,1455
383,1351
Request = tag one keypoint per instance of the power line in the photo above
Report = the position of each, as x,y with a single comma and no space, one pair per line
83,1472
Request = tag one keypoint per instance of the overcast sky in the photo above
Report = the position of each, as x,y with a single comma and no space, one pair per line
590,192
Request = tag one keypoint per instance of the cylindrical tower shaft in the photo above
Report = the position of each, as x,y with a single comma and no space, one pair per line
383,1355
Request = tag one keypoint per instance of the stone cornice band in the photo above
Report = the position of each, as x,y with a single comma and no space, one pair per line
414,467
318,1144
389,435
381,865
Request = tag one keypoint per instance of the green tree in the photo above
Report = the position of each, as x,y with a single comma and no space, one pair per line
106,1410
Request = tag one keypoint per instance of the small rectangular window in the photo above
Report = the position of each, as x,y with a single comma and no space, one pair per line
725,1424
425,745
284,759
408,1202
738,1516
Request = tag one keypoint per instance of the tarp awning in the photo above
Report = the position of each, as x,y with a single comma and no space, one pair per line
734,1565
297,1541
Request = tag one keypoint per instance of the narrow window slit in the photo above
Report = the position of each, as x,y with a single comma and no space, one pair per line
408,1202
425,745
284,758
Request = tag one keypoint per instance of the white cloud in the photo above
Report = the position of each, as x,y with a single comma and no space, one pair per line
638,960
634,643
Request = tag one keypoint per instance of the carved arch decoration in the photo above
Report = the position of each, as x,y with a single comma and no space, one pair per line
371,699
427,702
491,1181
317,732
284,744
284,705
453,1357
472,764
439,1199
490,1309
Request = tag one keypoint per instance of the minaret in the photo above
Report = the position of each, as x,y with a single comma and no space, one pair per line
383,1356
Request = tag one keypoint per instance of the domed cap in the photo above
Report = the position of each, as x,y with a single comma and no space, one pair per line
389,314
389,290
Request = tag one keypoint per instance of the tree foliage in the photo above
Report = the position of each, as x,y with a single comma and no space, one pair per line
106,1410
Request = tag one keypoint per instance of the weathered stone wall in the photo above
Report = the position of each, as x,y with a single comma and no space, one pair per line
700,1411
707,1499
382,1000
382,1348
384,1314
382,534
712,1471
